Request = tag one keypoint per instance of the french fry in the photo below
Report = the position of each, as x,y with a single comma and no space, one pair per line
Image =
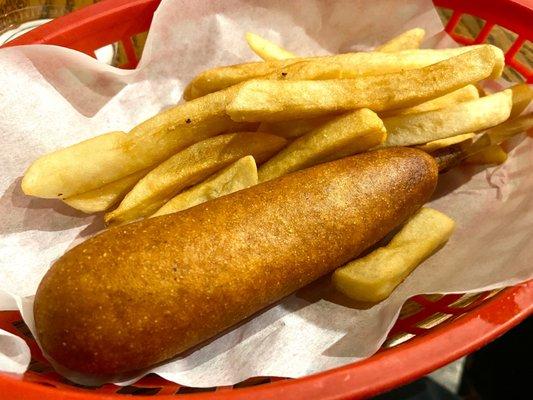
469,92
466,117
355,65
294,128
298,127
408,40
103,159
239,175
189,167
105,197
359,130
451,156
490,155
51,175
348,66
267,100
266,49
499,133
349,150
411,39
522,96
373,278
449,141
339,66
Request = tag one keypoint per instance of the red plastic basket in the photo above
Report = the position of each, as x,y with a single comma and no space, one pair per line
431,331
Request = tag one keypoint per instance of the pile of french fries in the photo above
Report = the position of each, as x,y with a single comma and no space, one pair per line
253,122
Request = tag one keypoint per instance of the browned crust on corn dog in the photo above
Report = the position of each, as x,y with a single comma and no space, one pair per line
139,294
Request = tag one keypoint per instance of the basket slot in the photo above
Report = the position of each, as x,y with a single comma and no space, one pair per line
169,389
429,309
108,388
252,382
224,388
393,341
156,382
192,390
138,391
150,385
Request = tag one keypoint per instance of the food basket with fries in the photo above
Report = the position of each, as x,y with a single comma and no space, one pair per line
431,330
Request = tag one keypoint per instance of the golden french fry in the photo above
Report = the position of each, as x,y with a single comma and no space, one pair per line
95,162
359,130
267,100
451,156
411,39
294,128
522,96
106,196
239,175
373,278
266,49
408,40
469,92
356,65
440,143
54,175
499,133
349,150
339,66
189,167
489,155
469,116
